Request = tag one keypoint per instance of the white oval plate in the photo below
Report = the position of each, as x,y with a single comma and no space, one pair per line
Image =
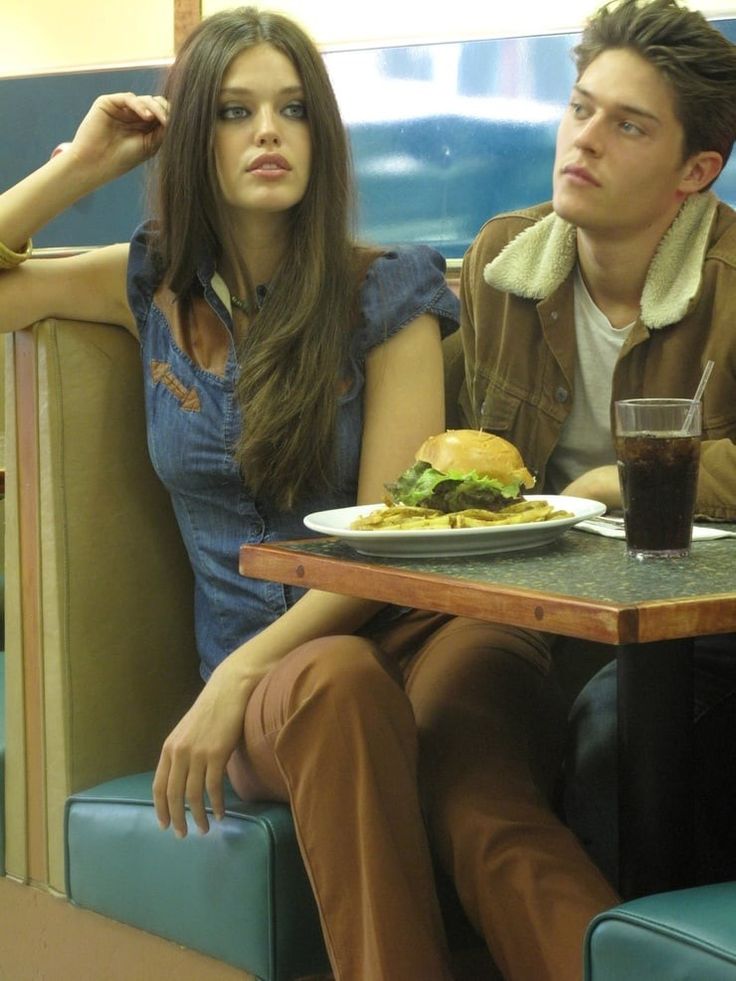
452,541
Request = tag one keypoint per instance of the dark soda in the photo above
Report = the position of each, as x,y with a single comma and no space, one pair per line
659,479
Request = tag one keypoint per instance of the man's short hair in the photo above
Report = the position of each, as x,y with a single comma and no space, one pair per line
696,59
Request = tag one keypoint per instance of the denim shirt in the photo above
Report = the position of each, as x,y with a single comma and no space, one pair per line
193,421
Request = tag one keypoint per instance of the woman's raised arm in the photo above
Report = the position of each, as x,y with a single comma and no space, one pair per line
118,133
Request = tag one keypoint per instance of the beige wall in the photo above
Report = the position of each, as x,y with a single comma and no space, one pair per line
43,35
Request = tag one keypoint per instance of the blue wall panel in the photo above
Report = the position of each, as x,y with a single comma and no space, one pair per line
443,136
36,114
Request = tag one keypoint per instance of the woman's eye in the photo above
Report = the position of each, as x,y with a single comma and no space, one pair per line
577,109
233,112
631,128
295,110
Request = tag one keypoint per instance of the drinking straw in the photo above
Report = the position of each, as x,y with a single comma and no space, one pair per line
698,395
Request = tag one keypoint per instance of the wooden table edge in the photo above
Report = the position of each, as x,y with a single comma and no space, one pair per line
604,622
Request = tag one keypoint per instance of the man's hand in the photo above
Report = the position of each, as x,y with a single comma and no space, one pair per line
599,484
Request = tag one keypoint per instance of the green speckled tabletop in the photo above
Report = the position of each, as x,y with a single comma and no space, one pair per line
576,564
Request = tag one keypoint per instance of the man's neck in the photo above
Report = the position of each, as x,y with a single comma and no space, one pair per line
615,268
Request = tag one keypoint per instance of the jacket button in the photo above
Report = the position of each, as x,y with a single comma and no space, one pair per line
554,315
561,394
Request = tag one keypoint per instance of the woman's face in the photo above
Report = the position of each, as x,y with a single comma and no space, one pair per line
263,146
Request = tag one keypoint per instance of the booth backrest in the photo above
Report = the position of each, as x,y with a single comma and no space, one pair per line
100,648
2,501
2,403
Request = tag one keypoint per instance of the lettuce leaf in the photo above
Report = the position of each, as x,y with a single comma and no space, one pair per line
423,486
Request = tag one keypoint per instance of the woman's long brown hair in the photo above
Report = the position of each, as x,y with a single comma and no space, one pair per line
295,349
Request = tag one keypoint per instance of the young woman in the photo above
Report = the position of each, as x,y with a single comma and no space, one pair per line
280,362
287,370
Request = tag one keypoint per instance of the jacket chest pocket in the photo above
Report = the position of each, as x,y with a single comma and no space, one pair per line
521,421
498,411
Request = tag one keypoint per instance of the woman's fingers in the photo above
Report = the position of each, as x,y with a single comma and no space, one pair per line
194,795
175,798
214,786
160,788
182,780
129,108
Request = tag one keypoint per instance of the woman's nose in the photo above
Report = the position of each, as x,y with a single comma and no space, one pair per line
267,132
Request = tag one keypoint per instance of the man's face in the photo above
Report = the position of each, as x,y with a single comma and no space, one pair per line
619,164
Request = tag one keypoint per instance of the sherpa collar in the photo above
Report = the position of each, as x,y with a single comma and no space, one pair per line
539,260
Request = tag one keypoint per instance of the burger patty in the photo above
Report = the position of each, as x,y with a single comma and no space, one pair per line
453,495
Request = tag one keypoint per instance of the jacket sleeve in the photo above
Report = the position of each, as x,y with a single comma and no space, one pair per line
717,481
471,281
481,307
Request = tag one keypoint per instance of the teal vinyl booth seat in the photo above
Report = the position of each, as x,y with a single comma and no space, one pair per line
686,935
239,893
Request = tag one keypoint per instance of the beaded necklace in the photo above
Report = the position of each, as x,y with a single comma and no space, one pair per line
247,308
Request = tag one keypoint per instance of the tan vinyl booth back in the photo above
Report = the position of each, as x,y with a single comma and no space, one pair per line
2,466
99,634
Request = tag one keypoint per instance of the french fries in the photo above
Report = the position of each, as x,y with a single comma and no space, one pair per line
402,518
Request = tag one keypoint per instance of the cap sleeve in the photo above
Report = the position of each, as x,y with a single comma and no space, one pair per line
401,285
143,277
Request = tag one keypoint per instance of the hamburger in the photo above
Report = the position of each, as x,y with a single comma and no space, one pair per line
460,469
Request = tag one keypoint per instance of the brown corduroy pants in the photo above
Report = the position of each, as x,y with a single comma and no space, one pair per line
436,736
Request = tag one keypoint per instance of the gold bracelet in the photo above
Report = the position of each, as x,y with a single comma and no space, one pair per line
9,260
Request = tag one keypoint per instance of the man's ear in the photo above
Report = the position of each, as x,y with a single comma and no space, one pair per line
700,171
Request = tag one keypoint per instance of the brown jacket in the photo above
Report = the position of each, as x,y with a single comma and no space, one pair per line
518,334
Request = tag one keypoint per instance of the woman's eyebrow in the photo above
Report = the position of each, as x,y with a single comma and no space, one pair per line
243,90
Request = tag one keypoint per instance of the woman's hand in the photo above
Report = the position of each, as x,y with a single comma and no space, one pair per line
119,132
195,754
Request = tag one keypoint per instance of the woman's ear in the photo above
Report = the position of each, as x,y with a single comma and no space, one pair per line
700,171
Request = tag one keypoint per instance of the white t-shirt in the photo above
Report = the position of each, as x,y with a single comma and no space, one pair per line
585,440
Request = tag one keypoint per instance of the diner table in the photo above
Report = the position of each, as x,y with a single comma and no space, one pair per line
584,586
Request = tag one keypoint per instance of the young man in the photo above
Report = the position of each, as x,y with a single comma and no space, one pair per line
623,286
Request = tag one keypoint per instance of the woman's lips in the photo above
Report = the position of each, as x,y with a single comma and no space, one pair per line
269,164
